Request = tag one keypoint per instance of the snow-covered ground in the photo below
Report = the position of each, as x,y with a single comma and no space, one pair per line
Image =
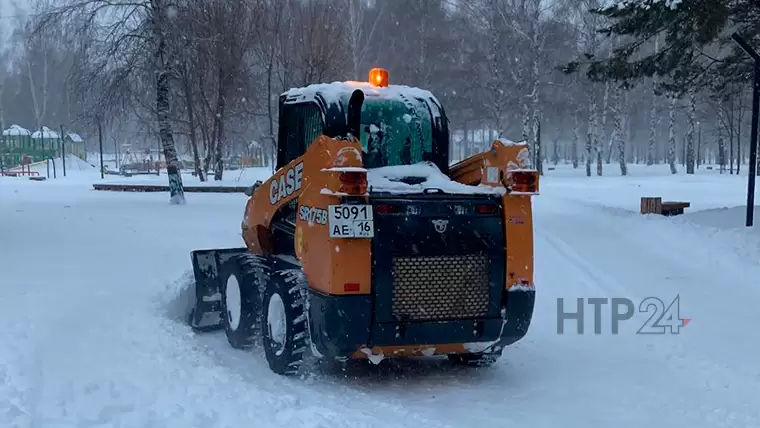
93,285
87,173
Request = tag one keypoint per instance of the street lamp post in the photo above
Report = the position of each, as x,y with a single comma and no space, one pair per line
63,151
753,138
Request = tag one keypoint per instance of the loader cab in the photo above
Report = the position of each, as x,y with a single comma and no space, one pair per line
400,125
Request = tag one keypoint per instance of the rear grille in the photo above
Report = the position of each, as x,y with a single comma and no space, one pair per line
432,288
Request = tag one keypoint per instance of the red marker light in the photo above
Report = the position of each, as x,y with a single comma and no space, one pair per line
485,209
351,287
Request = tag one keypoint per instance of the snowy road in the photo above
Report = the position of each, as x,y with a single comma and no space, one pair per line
91,284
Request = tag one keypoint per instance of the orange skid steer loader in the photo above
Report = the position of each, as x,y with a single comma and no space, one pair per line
367,244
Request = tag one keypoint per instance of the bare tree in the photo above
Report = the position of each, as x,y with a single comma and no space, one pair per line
218,67
229,27
672,133
692,121
653,116
123,37
617,128
358,38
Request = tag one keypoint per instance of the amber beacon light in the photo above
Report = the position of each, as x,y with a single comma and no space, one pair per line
379,77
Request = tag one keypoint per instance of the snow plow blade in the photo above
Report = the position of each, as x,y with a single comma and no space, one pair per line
206,313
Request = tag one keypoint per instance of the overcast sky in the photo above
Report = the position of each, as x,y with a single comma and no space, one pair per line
6,16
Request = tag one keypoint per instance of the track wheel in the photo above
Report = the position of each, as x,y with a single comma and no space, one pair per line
284,327
243,274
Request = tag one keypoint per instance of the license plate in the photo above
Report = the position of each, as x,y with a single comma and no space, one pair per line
351,221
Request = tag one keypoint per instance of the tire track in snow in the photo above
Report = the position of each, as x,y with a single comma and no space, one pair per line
591,276
663,257
317,401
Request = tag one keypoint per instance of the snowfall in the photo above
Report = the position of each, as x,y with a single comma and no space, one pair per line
94,288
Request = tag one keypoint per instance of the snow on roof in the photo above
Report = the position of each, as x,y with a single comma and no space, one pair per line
46,133
336,91
73,136
388,179
511,143
16,130
647,4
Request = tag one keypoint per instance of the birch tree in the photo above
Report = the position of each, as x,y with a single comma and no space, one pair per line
721,120
672,133
653,115
124,34
692,122
617,129
4,59
360,31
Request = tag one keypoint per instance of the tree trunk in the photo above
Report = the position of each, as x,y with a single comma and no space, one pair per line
163,108
692,120
535,78
211,146
672,133
220,115
555,151
739,142
605,110
600,131
576,138
199,171
653,119
731,133
721,143
590,137
270,112
539,155
526,128
617,130
2,126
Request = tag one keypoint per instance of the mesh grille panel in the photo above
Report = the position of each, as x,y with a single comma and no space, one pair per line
440,287
289,211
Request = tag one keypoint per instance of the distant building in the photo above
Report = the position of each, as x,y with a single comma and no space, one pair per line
75,145
17,142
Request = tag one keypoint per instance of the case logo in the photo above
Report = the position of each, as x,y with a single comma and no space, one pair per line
440,225
288,182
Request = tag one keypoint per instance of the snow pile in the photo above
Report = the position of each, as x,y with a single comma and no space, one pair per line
725,218
239,177
335,91
73,136
425,176
16,130
647,4
509,143
46,133
73,163
178,297
418,102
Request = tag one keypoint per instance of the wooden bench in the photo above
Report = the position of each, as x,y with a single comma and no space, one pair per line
165,188
651,205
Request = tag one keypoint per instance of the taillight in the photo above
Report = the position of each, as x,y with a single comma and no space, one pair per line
351,287
353,183
387,208
486,209
524,181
